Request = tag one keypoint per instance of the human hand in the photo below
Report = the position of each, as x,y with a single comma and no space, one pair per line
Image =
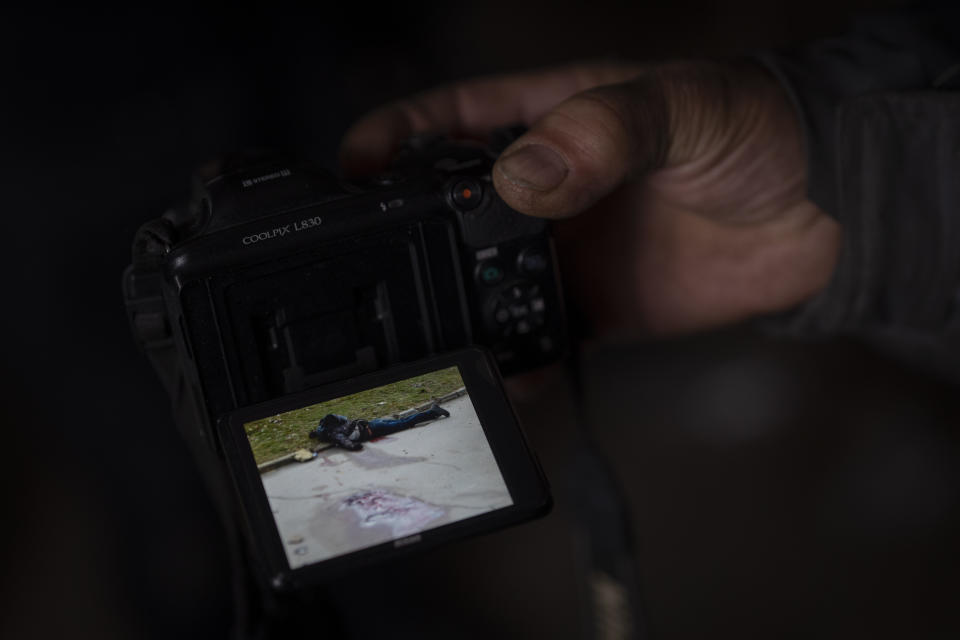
690,178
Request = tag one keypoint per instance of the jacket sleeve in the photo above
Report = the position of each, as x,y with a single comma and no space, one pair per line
341,438
880,109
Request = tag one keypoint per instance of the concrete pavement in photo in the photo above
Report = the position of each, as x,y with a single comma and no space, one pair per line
418,479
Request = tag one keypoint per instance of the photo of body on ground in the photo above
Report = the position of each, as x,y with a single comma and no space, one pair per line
374,466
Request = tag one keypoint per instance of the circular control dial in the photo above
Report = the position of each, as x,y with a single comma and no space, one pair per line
517,310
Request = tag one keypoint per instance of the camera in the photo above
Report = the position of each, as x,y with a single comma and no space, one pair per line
280,292
279,277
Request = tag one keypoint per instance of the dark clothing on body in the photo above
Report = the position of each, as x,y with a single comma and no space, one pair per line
348,434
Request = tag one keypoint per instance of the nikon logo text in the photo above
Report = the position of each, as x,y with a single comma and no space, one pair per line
283,173
279,232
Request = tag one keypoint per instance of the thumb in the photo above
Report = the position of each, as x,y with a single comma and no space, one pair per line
585,148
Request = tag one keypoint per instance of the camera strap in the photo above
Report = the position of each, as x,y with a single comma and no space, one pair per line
609,578
146,313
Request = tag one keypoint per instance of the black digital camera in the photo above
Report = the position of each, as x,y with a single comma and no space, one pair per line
279,277
281,287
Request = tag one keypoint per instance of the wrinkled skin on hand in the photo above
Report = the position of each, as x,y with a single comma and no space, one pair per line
680,187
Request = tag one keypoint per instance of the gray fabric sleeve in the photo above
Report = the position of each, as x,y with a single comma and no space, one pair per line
890,51
881,117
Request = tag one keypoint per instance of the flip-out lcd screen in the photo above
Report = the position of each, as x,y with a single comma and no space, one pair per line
375,466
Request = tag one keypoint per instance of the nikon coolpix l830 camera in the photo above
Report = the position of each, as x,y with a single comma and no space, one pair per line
281,292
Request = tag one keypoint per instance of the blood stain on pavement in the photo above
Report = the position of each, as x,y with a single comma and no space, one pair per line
403,514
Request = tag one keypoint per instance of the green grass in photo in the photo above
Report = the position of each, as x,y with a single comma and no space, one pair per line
284,433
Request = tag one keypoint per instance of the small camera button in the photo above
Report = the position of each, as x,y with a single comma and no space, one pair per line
502,316
490,272
532,261
467,194
519,310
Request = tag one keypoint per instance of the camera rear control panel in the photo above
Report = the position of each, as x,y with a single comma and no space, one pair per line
517,309
518,302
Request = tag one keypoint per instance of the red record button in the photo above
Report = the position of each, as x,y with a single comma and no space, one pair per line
467,194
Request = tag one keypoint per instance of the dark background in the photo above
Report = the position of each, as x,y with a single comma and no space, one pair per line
772,488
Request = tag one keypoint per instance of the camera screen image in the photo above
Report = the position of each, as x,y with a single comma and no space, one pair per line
376,466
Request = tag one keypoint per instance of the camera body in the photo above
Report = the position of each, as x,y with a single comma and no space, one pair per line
279,277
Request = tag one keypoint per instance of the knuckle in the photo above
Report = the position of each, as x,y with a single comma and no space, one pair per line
607,114
460,100
414,112
592,131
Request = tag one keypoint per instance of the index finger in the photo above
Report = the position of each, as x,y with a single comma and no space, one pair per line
471,108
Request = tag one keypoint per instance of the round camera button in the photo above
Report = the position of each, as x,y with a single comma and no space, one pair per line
490,273
532,261
467,194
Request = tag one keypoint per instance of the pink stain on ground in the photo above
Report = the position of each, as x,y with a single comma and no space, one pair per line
404,515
